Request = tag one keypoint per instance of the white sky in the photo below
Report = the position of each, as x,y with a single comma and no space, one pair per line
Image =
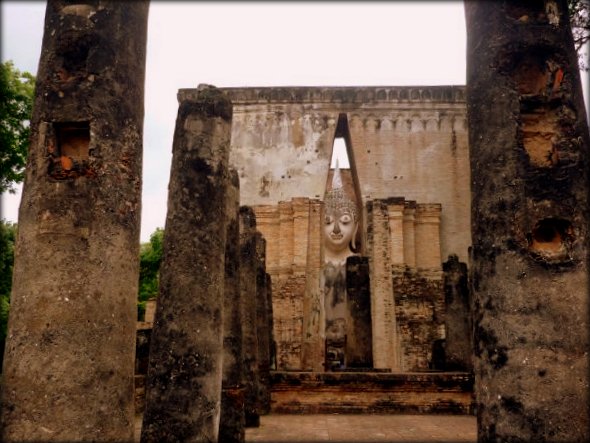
262,44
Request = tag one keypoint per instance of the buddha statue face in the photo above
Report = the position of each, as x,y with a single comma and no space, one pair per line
340,223
340,229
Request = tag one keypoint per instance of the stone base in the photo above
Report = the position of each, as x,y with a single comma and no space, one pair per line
372,392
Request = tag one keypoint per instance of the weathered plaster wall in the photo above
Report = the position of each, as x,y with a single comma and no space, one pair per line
405,141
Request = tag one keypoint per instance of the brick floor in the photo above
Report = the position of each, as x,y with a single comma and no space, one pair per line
393,428
361,428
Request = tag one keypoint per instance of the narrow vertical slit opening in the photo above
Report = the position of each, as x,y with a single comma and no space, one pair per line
343,153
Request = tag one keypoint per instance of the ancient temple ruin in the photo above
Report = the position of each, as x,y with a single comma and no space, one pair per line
401,320
407,148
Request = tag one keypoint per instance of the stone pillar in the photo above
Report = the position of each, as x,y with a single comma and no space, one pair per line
427,236
286,240
395,210
458,346
262,325
69,359
409,234
150,310
386,352
529,156
183,386
290,289
248,271
232,421
313,312
300,234
267,222
269,314
359,342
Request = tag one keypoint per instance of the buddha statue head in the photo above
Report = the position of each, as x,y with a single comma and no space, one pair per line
340,221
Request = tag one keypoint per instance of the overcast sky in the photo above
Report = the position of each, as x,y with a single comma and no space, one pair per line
262,44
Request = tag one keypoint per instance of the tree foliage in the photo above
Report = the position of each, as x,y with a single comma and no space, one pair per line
16,105
579,12
7,238
150,257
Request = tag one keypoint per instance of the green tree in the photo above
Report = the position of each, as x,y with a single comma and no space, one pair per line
16,105
150,257
7,238
579,12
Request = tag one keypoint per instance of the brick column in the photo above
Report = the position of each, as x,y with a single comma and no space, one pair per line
395,210
409,234
427,236
267,222
289,290
69,359
313,317
300,234
529,152
385,349
183,386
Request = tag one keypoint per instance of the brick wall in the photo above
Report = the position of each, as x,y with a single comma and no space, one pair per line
292,233
404,141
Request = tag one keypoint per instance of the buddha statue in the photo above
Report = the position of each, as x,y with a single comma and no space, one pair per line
340,228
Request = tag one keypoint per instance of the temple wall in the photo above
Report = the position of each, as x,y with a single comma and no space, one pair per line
286,228
405,141
408,153
408,303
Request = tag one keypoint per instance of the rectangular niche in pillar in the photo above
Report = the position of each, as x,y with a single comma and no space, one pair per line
69,150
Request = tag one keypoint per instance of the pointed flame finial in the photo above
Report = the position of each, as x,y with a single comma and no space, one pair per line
336,198
336,178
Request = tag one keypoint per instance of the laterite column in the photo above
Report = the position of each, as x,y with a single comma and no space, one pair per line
183,385
249,238
263,327
69,361
529,144
231,426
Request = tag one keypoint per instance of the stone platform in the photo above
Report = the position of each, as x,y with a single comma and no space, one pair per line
372,392
364,428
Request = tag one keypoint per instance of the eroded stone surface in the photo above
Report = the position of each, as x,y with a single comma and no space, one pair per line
529,223
232,421
249,239
68,368
183,386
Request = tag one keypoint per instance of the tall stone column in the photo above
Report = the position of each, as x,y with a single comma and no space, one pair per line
529,144
359,340
409,230
386,349
395,210
183,386
232,422
248,272
458,344
313,312
68,368
427,236
262,325
269,314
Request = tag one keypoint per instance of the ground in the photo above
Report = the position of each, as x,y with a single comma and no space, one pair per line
360,428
